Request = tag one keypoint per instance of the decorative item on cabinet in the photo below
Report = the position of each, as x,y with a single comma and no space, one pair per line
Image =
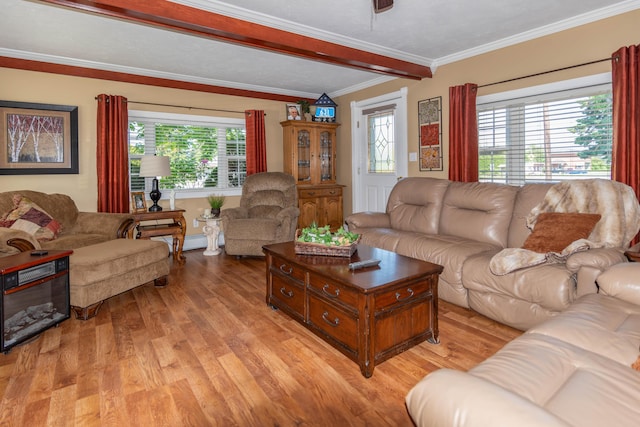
325,109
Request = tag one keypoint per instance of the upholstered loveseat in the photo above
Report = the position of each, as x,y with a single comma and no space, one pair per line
104,262
467,227
70,229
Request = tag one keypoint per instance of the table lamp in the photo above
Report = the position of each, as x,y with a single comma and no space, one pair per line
154,166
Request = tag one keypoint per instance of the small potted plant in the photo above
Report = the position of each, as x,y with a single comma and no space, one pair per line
305,109
216,202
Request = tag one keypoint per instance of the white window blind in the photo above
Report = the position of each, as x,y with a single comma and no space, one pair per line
546,137
205,152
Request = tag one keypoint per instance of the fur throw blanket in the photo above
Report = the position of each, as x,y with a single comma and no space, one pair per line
614,201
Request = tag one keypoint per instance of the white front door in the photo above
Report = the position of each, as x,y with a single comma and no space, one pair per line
379,149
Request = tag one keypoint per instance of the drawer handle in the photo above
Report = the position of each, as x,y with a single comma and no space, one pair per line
335,294
405,298
332,192
335,322
282,268
311,193
288,294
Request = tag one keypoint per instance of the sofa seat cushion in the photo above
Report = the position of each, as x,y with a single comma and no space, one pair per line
383,238
75,241
451,252
580,387
601,324
254,229
550,285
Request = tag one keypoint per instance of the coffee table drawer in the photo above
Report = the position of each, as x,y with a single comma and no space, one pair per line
404,295
280,265
333,321
288,293
333,290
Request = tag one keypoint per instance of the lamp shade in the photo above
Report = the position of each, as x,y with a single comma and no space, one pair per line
154,166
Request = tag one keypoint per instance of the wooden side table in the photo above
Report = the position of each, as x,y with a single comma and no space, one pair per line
162,223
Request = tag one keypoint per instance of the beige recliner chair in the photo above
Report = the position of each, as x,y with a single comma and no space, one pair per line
268,213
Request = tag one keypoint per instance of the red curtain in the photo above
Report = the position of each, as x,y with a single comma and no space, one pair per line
463,133
256,142
112,162
625,164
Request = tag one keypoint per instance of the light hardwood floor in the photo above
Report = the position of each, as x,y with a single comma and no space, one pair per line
207,350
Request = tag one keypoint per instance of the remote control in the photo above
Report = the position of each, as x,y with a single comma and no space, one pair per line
364,263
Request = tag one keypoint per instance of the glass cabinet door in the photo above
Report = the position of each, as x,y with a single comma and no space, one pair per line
326,157
304,156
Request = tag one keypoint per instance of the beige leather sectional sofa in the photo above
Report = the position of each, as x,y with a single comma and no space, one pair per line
576,369
574,365
461,226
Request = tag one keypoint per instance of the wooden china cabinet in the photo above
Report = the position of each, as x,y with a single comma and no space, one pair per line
310,156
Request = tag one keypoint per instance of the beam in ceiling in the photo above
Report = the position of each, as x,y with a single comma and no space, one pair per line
178,17
92,73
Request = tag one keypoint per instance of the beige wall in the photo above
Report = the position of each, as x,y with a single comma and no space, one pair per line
27,86
578,45
581,44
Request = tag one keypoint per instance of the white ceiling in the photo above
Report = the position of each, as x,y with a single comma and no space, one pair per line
426,32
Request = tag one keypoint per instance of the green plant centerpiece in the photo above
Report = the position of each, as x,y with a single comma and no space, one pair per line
323,235
216,202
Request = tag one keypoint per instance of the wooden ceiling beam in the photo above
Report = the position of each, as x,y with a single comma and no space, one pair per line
92,73
178,17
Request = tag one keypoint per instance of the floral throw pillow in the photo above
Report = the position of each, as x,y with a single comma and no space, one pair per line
30,218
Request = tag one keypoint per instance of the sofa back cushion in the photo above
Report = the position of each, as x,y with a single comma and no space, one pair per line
529,195
415,204
60,206
478,211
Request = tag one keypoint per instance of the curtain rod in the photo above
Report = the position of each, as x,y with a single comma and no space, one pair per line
548,72
184,106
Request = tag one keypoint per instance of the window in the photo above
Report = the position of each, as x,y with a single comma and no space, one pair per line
381,149
559,133
206,153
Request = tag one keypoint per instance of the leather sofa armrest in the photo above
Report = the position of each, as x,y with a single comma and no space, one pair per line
622,281
114,225
453,398
600,258
588,265
368,220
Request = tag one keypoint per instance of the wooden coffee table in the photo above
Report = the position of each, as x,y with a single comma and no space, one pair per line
370,315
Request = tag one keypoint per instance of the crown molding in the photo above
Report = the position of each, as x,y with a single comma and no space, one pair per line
361,86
